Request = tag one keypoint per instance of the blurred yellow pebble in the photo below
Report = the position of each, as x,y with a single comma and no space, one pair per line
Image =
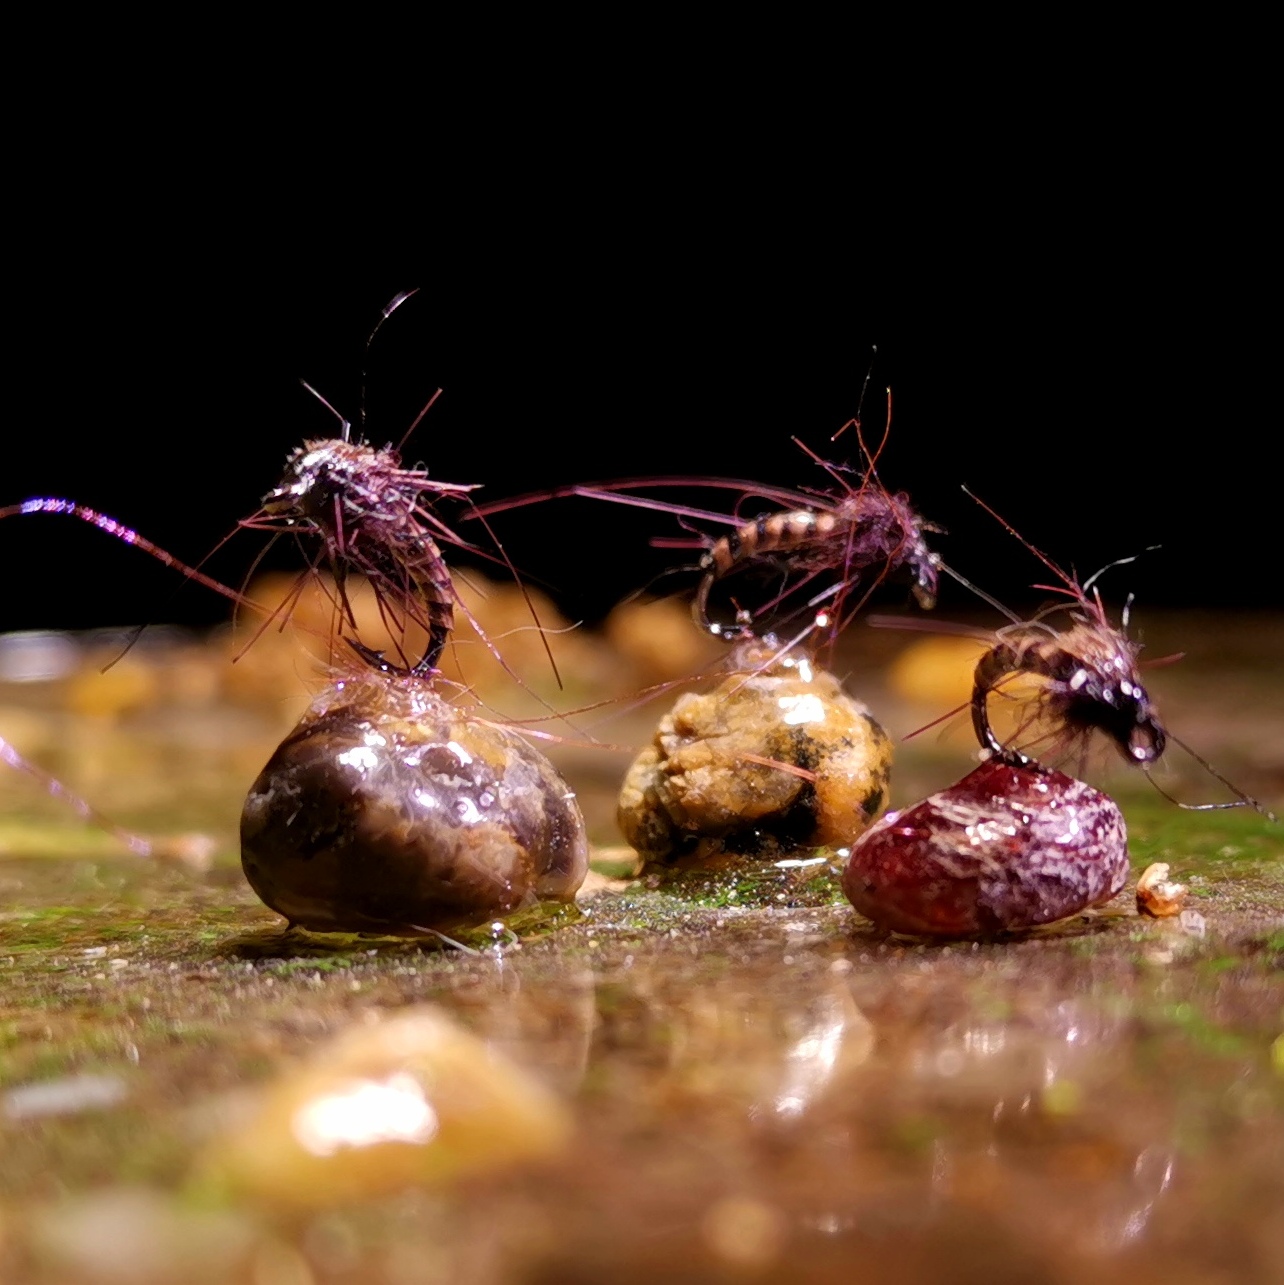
414,1099
659,639
128,685
504,613
936,671
191,678
30,733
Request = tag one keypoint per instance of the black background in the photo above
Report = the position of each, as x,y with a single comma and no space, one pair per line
1103,402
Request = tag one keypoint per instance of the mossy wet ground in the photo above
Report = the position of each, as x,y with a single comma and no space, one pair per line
764,1086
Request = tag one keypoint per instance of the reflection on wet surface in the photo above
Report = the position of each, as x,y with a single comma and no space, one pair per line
760,1085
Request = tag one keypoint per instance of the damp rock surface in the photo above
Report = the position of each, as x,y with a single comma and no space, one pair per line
717,777
767,1092
1008,847
387,810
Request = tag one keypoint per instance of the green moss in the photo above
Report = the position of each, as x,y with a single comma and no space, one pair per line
1200,1029
614,862
812,879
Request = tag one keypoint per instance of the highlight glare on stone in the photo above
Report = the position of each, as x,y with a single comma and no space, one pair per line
365,1113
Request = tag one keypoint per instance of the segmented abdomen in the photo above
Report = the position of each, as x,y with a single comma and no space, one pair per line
413,576
768,533
440,608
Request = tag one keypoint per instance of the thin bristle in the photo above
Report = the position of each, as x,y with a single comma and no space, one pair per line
1072,586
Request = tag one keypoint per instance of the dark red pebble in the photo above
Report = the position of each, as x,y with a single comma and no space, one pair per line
1005,848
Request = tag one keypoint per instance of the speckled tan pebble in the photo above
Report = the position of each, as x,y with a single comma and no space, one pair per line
717,778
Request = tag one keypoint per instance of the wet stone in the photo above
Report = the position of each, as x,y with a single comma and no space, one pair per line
411,1100
1006,848
387,810
717,777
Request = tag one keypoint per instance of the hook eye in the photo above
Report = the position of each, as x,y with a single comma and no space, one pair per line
1145,742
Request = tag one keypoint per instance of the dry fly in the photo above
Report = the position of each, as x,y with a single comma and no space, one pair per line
860,533
371,516
1091,678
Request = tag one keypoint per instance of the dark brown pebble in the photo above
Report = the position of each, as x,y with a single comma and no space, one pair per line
387,810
